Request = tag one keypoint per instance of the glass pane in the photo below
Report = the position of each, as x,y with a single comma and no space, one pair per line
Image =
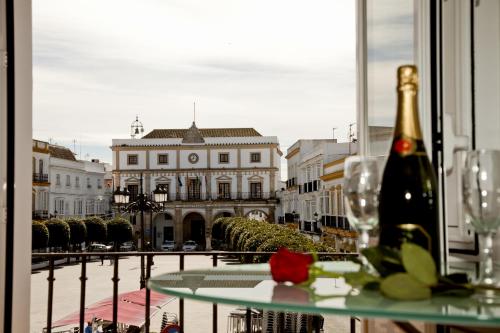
389,45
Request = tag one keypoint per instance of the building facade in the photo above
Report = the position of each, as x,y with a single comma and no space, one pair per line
66,187
41,184
207,172
313,198
77,187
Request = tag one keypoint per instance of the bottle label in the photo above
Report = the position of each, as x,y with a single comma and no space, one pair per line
404,146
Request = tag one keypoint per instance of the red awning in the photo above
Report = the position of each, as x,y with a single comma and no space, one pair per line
131,309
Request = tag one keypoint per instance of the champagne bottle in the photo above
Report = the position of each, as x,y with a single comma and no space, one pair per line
408,207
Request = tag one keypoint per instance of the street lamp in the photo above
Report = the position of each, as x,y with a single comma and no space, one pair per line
140,205
316,220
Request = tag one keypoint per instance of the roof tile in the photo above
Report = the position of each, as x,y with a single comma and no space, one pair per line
205,132
61,152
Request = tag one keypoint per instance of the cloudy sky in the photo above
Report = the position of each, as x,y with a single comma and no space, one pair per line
286,68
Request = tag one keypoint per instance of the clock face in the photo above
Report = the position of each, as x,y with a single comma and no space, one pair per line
193,158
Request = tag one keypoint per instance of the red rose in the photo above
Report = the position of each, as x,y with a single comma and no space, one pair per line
403,146
290,266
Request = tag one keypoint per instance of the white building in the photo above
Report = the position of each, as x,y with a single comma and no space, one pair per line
313,196
41,185
208,172
76,186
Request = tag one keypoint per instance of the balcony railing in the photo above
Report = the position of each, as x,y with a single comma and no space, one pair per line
85,257
223,196
40,214
41,177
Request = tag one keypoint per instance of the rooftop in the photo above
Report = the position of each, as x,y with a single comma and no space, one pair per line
62,153
205,132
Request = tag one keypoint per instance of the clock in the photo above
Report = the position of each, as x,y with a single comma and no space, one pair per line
193,158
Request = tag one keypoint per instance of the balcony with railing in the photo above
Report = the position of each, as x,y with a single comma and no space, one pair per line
40,214
117,275
223,196
40,178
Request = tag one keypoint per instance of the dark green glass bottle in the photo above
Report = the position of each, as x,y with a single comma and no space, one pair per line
408,207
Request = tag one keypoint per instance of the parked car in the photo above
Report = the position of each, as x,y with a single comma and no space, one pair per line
127,246
189,246
99,248
168,245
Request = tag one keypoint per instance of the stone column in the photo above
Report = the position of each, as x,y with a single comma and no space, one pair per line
272,183
239,185
271,216
178,228
238,211
147,183
208,228
208,178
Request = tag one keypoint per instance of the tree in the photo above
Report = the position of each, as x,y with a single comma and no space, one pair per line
39,235
96,229
59,233
119,230
78,231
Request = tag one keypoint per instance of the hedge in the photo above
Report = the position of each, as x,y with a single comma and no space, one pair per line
119,230
241,234
96,229
39,235
78,231
59,233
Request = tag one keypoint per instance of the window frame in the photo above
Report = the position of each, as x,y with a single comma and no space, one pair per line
221,161
130,158
224,194
159,159
252,160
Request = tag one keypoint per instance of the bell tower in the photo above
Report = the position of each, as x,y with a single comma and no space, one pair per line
136,129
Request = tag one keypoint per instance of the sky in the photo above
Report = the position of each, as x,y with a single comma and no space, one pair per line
284,67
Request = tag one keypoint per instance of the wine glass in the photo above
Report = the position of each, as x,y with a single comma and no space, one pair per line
361,190
481,198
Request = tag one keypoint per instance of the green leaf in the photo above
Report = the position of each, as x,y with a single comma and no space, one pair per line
402,286
419,263
360,279
385,260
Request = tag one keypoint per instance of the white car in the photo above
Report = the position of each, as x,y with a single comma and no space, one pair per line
99,248
168,245
189,246
127,246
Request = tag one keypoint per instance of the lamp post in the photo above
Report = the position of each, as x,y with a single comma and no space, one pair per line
316,220
141,204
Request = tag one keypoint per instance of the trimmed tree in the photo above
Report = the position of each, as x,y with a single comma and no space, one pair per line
119,230
59,233
78,231
96,229
39,235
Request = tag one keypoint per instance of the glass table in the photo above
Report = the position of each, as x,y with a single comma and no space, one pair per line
252,286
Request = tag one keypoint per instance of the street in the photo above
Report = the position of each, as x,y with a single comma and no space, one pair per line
197,316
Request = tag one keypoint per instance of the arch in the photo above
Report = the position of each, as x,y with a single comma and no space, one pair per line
257,214
223,213
193,228
163,229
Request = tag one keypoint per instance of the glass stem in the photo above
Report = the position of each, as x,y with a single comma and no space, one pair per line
487,274
363,244
363,239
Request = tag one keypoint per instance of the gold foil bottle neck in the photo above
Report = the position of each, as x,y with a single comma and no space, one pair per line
407,77
407,123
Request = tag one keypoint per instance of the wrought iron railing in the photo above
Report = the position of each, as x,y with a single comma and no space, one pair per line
41,177
40,214
84,258
223,196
